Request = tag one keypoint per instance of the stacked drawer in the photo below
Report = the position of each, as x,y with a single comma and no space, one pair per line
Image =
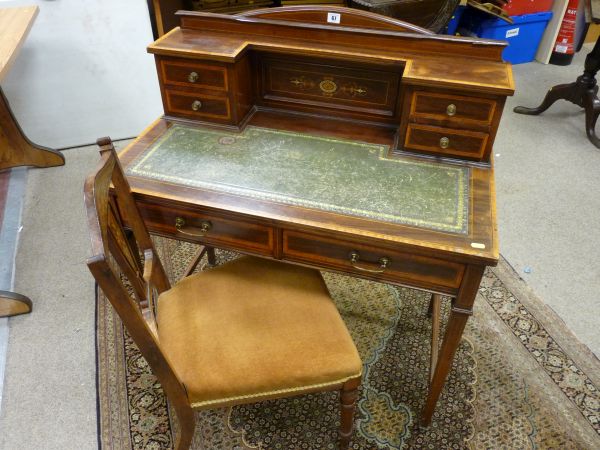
451,125
195,90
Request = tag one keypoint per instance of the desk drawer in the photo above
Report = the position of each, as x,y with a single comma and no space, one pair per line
452,108
192,74
331,86
220,231
197,106
446,141
372,262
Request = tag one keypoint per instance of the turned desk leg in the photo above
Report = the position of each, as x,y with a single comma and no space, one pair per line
15,149
12,304
583,92
461,310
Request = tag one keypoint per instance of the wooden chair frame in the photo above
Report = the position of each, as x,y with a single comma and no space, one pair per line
148,280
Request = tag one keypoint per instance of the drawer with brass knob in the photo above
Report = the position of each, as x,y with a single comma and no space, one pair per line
319,84
197,105
446,141
453,109
181,72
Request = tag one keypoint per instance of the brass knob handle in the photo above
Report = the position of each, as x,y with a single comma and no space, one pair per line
193,77
196,105
381,265
451,109
205,227
444,142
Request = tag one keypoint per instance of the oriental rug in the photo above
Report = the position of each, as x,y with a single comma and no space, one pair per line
520,379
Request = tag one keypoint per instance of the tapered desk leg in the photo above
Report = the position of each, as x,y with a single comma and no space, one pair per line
12,304
462,308
15,149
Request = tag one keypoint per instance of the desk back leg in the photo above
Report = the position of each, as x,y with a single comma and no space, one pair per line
462,308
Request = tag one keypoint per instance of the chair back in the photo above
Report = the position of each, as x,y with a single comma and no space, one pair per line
126,266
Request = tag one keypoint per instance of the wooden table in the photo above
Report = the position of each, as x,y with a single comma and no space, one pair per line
15,149
360,149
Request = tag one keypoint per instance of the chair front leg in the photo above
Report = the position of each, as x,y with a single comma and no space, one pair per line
187,425
348,396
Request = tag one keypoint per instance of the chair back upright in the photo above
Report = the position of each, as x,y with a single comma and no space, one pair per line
126,266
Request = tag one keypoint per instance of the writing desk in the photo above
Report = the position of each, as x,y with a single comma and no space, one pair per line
359,149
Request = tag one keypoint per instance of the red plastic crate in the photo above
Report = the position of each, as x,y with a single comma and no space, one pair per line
520,7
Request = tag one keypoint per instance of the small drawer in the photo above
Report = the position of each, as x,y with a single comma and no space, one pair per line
446,141
208,228
328,85
197,106
452,108
372,262
191,74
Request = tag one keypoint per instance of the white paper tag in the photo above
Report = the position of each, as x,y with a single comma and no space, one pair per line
512,33
561,49
334,17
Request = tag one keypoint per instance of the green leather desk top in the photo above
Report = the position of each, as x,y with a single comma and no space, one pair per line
335,175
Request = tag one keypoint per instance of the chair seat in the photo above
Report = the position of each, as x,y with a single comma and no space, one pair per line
253,329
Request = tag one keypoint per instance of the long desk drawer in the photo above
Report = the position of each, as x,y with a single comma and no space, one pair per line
379,264
208,228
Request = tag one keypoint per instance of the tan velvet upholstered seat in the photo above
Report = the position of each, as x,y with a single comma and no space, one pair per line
254,329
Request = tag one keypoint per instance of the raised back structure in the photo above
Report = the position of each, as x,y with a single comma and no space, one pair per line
441,95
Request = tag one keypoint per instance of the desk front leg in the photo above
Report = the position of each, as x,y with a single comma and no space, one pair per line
461,309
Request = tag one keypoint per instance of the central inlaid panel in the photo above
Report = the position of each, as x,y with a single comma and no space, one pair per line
333,175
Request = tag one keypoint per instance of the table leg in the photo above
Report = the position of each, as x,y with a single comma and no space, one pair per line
583,92
462,308
15,149
12,304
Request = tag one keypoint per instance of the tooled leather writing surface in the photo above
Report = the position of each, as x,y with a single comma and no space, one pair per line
334,175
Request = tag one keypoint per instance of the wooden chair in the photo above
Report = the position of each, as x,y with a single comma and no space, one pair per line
249,330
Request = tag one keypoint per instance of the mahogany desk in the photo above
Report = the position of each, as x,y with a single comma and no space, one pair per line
15,149
362,148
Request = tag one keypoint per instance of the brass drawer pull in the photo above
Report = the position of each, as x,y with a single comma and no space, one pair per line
444,142
196,105
354,260
205,227
193,77
451,109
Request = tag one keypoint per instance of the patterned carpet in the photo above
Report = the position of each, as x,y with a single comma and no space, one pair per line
519,380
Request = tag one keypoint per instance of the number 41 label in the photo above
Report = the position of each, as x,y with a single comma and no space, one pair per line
334,17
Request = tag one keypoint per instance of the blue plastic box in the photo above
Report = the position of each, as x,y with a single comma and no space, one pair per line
523,36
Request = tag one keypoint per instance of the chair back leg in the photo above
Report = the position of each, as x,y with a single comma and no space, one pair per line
348,397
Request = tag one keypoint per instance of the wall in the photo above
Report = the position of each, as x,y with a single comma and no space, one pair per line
84,73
